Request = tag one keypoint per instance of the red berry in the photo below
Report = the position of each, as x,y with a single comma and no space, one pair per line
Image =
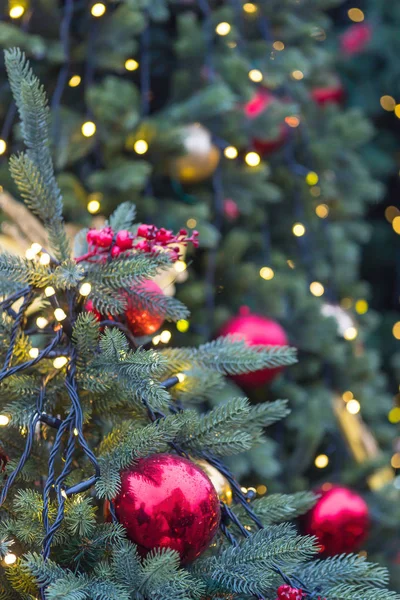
145,231
115,251
163,236
286,592
92,237
105,238
124,240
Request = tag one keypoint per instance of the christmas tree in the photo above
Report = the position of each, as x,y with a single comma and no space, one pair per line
93,416
227,118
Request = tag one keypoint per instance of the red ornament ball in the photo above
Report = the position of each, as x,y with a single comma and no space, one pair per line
256,330
168,502
339,520
356,38
253,109
141,320
330,94
286,592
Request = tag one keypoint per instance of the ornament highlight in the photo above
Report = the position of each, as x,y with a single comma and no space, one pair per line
201,156
219,481
339,520
167,501
256,330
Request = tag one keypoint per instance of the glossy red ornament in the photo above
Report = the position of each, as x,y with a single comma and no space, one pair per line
256,330
140,320
330,94
339,520
286,592
253,109
166,501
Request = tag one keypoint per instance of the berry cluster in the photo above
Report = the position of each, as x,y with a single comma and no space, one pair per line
148,238
286,592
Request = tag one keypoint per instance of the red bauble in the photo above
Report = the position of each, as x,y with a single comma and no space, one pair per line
254,108
256,330
330,94
168,502
339,520
356,38
138,317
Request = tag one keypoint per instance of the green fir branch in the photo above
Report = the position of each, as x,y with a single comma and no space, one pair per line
123,216
85,335
277,508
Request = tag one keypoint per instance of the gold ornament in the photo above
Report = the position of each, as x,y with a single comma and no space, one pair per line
220,483
201,158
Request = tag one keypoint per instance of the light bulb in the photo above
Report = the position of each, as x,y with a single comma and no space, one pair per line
322,211
347,396
93,206
356,15
156,340
316,288
312,178
44,259
60,362
255,75
181,377
278,46
388,103
74,81
267,273
230,152
88,128
297,75
182,325
41,322
4,420
298,229
140,147
180,266
396,330
85,289
34,352
321,461
191,223
350,333
250,8
76,432
131,64
10,558
98,9
59,314
353,406
49,291
165,336
3,146
361,307
16,11
35,248
252,159
223,28
292,121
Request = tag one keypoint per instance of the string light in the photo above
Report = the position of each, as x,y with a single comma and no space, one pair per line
42,322
76,432
88,128
396,224
223,28
396,330
180,266
297,75
393,416
98,9
49,291
156,340
267,273
131,64
59,314
60,362
322,211
44,259
165,336
250,8
140,147
252,159
321,461
255,75
347,396
397,111
3,146
356,15
191,223
316,288
350,333
33,251
182,325
292,121
290,264
181,377
10,558
34,352
74,81
4,420
261,490
298,229
93,206
353,406
361,307
391,212
312,178
315,191
85,289
230,152
395,462
17,11
388,103
346,303
279,46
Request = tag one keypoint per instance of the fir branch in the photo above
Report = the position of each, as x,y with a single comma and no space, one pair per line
346,568
357,592
277,508
125,565
158,304
199,385
107,300
123,272
85,336
80,516
123,216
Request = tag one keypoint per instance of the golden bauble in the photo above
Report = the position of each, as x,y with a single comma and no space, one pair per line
201,158
219,481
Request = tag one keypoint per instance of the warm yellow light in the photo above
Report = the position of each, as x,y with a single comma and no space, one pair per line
361,307
388,103
10,558
3,146
292,121
350,333
316,288
267,273
33,251
76,432
60,362
322,211
44,259
98,9
180,266
156,340
356,15
34,352
64,494
291,264
347,396
397,111
17,11
140,147
182,325
250,8
42,322
252,159
85,289
312,178
391,212
223,28
396,224
321,461
49,291
29,254
165,336
191,223
131,64
395,462
261,490
74,81
394,415
59,314
230,152
315,191
297,74
396,330
353,406
255,75
4,420
181,377
93,206
298,229
278,46
88,128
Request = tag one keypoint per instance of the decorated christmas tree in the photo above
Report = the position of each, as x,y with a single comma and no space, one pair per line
92,418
